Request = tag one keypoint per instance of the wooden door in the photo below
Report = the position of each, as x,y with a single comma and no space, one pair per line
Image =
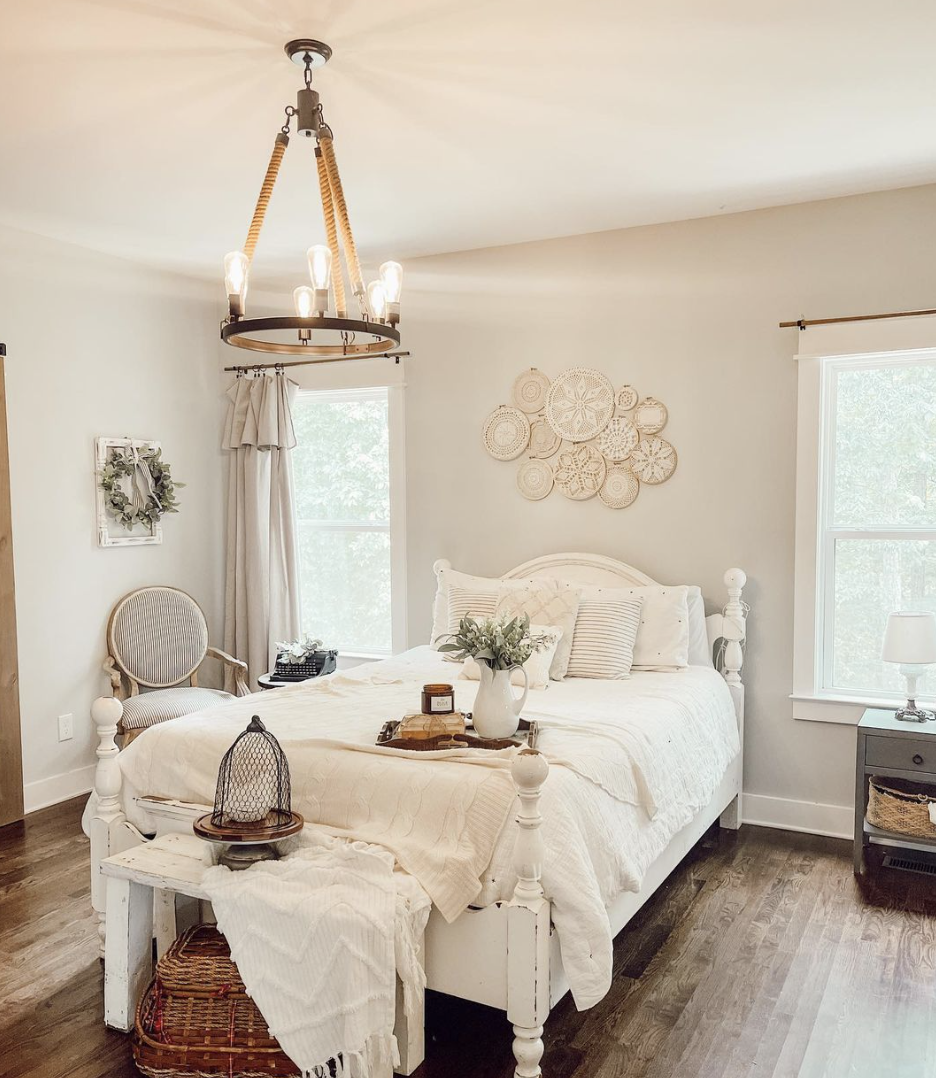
11,751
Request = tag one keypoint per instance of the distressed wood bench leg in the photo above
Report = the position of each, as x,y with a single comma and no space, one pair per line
528,922
410,1032
128,950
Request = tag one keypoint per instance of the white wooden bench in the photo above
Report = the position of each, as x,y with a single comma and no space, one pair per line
154,890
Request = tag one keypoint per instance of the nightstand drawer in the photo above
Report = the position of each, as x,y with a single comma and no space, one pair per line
902,753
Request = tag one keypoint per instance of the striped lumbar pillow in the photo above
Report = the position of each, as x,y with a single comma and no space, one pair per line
603,642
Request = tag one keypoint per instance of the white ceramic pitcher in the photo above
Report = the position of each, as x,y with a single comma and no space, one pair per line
496,713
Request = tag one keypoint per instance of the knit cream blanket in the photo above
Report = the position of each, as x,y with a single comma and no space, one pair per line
318,939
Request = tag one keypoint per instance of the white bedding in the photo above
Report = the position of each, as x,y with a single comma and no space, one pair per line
631,763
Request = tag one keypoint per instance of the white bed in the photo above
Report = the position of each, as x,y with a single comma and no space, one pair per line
638,769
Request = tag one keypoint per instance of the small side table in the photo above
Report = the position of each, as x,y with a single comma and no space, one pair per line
892,749
271,681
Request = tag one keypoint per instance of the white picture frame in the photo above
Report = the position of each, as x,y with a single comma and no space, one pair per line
109,531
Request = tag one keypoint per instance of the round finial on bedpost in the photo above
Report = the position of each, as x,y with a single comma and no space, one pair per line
438,566
735,579
529,770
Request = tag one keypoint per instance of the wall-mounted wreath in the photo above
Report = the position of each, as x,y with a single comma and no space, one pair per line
135,490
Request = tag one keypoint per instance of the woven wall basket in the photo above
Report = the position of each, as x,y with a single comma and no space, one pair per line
902,806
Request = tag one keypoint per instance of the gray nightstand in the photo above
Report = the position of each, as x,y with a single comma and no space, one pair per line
893,749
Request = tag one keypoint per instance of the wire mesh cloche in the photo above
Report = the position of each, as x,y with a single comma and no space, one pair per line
253,782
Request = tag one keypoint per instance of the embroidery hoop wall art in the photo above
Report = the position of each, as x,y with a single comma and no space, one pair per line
580,437
134,490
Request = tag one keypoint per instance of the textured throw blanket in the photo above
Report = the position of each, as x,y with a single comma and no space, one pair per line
318,938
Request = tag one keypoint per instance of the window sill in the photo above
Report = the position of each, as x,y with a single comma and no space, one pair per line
841,710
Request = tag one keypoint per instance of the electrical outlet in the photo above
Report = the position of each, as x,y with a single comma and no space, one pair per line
66,727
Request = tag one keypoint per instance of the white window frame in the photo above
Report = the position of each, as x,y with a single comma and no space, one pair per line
346,379
823,352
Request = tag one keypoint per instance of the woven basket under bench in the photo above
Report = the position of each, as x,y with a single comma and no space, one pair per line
196,1020
901,806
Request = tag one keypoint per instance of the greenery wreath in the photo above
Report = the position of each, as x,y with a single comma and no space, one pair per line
151,481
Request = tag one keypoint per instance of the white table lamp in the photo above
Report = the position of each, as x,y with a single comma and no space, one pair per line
910,639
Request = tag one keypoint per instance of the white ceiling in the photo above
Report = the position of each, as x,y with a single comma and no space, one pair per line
142,127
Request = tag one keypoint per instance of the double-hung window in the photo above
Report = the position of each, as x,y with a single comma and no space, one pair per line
866,522
348,518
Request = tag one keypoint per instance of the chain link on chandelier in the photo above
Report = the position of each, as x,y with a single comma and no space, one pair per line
322,328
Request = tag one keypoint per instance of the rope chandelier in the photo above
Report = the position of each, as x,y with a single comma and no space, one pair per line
322,329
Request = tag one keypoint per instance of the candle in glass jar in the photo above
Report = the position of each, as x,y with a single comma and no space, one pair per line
438,699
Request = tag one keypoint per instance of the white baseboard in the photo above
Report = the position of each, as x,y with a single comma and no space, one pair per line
56,788
836,821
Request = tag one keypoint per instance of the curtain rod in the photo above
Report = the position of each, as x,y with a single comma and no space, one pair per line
245,368
802,323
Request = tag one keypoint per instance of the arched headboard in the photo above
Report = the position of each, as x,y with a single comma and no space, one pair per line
581,569
729,626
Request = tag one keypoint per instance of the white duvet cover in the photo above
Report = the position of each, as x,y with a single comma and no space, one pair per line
631,762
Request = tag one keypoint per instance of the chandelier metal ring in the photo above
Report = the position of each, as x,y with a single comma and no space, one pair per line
238,334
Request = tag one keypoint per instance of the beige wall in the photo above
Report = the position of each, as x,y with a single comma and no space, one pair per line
686,312
98,346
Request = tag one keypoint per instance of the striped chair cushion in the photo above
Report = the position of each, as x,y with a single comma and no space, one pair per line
158,636
603,642
149,708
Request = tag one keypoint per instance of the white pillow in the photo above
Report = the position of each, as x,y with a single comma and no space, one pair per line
605,633
472,585
663,637
700,654
545,602
537,666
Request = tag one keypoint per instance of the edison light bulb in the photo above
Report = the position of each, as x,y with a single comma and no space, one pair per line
391,276
304,300
236,266
320,262
377,301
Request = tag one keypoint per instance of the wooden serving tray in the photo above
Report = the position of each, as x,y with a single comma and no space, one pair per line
526,735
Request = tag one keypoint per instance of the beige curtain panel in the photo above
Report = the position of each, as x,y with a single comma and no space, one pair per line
261,603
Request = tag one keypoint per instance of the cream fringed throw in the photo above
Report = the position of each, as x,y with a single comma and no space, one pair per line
318,939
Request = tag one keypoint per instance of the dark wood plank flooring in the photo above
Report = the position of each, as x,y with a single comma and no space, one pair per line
761,957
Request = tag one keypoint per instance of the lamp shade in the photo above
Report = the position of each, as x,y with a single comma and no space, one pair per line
910,638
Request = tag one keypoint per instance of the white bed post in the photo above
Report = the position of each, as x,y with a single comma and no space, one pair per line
108,815
528,921
733,630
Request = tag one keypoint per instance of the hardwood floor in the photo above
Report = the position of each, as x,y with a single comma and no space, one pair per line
761,957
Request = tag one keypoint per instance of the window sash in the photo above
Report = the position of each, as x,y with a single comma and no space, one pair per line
390,393
828,534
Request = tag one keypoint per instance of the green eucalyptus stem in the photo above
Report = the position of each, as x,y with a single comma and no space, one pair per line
499,643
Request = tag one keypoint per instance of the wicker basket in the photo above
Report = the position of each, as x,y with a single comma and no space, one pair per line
901,806
196,1020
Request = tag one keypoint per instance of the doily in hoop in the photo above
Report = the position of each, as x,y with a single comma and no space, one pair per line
620,487
650,417
618,438
627,397
579,404
534,479
543,439
654,460
580,471
530,389
506,433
